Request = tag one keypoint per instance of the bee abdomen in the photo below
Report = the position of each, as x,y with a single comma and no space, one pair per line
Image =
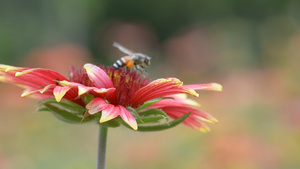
119,63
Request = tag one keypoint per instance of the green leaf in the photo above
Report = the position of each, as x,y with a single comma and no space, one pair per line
150,119
148,103
163,126
65,115
111,123
153,112
42,108
134,113
66,105
88,98
65,110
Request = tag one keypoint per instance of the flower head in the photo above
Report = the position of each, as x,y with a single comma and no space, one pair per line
114,93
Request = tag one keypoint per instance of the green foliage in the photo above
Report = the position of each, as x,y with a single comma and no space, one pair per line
148,103
150,120
65,110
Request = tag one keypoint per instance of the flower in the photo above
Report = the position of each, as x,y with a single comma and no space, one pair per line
114,92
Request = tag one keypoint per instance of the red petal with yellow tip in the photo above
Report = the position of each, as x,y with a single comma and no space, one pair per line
59,92
127,117
110,112
160,88
99,78
208,86
96,105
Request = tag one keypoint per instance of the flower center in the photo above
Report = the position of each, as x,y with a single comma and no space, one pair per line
79,75
126,83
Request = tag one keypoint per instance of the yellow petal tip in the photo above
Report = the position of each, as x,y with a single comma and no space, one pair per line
87,66
23,72
18,74
192,92
204,130
134,127
25,94
217,87
64,83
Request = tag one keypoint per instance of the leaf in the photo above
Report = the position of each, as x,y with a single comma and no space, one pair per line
66,105
65,115
42,108
148,103
156,114
88,98
163,126
153,112
65,110
159,127
111,123
150,119
134,113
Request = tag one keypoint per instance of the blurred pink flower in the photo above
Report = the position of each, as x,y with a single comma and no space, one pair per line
112,90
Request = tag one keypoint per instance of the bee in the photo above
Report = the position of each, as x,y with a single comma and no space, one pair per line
138,60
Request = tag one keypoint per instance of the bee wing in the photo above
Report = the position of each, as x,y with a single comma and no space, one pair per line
122,48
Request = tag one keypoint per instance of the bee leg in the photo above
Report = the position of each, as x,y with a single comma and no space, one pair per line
145,72
142,70
138,67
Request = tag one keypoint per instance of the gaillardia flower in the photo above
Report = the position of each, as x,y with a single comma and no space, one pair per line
112,95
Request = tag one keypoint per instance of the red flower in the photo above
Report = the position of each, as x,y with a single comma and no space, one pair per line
112,90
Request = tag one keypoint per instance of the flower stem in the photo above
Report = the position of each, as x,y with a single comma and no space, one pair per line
102,147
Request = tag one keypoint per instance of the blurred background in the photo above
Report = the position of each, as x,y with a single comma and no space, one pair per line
251,47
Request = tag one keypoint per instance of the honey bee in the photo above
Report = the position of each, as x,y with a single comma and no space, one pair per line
138,60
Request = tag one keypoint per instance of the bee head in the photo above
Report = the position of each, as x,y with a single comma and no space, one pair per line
147,61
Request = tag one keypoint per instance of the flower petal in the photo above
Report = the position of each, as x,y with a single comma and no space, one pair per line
127,117
35,93
160,88
59,92
48,89
208,86
36,78
29,91
96,105
99,78
109,113
8,68
85,89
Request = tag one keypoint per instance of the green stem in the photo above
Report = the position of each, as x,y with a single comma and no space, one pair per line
102,147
